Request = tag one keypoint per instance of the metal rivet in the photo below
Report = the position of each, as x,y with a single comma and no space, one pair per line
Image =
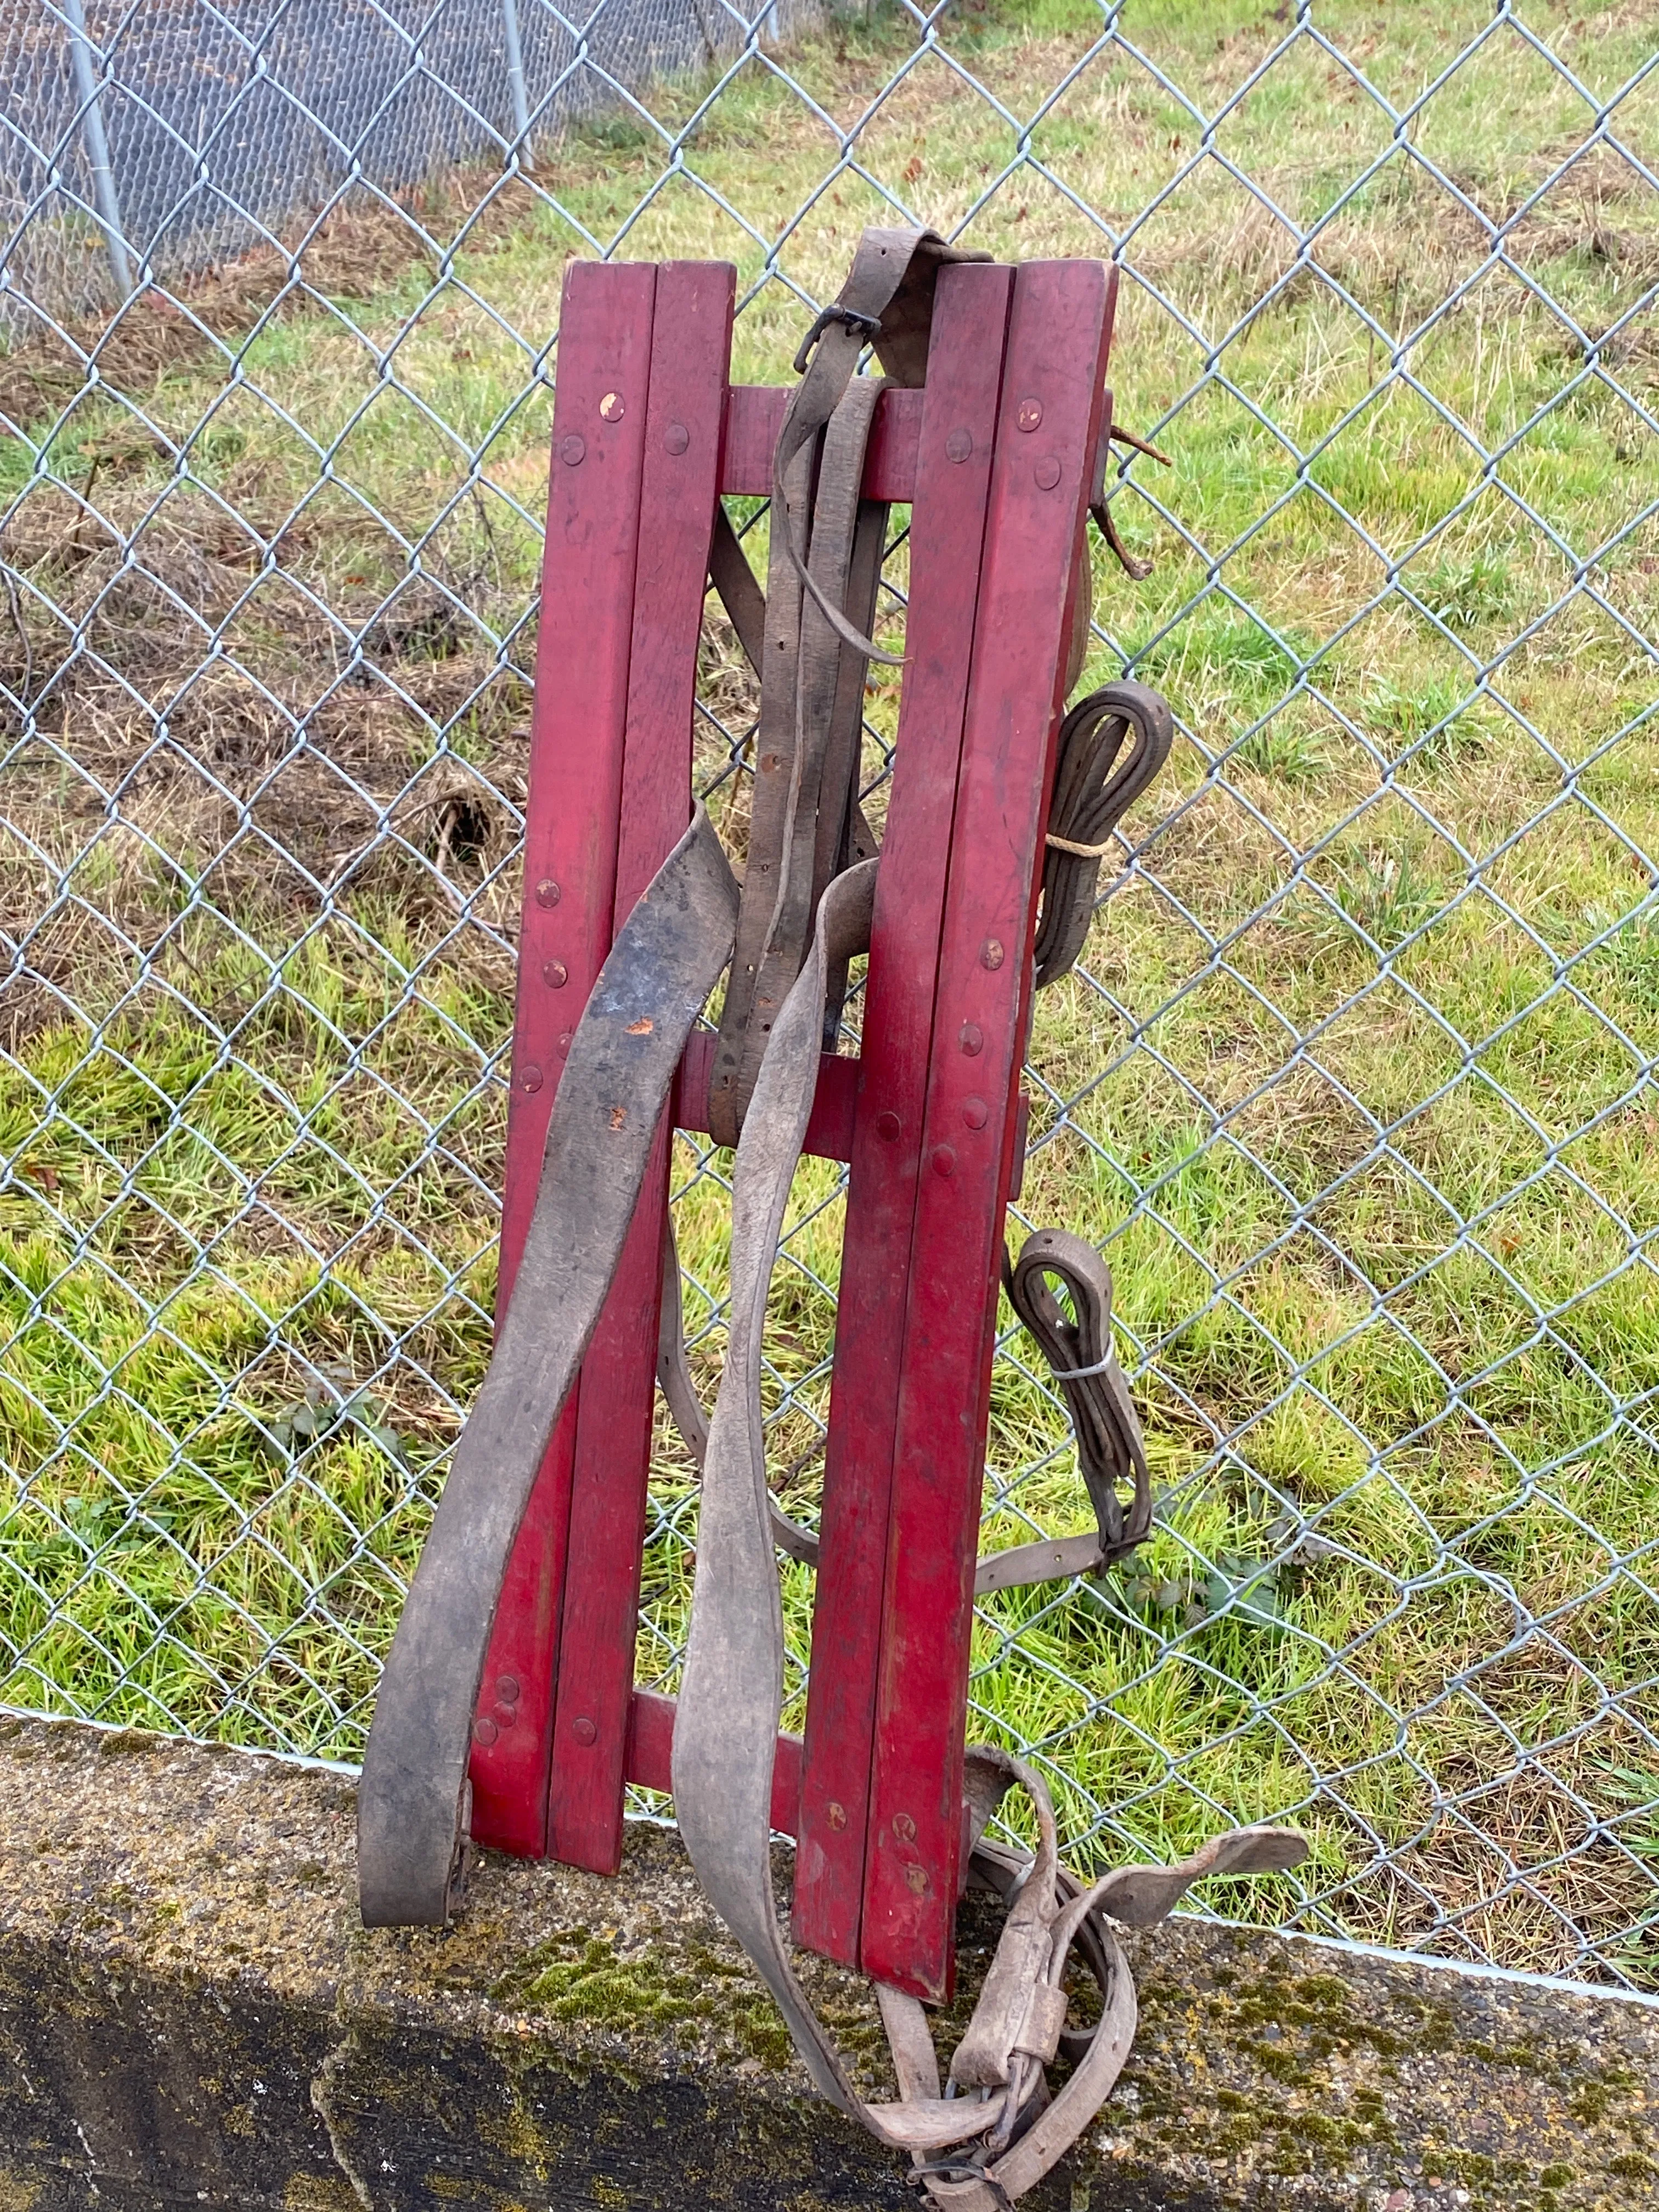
1029,416
675,439
837,1816
945,1159
611,408
483,1729
548,892
584,1730
959,446
916,1878
1046,473
904,1827
507,1689
555,974
971,1038
506,1716
564,1044
887,1126
573,450
990,954
530,1079
974,1112
770,763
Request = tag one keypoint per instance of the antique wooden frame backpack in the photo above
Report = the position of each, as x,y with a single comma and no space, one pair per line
507,1712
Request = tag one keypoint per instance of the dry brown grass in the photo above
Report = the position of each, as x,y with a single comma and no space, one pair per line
364,243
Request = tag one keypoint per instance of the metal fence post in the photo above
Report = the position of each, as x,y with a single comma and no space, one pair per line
515,83
92,123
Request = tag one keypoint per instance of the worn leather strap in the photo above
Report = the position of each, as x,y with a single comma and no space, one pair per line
769,813
730,1690
685,1408
843,842
1054,2127
746,606
806,745
731,1702
412,1803
823,754
887,301
741,596
844,836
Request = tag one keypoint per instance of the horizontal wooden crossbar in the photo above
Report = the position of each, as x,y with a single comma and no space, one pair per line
649,1763
829,1132
754,415
651,1751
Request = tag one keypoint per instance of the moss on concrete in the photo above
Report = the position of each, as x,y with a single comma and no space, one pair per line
192,2012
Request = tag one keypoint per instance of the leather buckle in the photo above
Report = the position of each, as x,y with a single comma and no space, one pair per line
863,326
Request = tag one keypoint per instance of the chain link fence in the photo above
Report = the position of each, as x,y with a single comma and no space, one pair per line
143,142
1355,1083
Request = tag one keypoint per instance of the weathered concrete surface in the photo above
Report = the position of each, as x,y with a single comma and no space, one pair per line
189,2014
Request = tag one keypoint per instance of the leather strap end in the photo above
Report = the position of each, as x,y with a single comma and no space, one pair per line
1022,1957
932,2123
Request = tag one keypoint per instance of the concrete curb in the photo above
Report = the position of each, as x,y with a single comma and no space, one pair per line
190,2013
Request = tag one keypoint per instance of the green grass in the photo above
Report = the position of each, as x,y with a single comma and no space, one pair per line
1360,1075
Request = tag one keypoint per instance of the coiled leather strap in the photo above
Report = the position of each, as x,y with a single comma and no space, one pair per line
1079,1351
1111,746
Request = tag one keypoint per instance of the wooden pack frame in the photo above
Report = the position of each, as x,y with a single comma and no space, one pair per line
997,457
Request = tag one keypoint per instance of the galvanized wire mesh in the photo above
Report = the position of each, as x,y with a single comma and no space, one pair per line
163,136
1355,1087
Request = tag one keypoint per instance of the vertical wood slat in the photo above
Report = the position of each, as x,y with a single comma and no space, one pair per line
953,477
1058,334
571,827
691,362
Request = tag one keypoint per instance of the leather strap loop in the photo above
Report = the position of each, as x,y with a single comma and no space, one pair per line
1079,1351
889,285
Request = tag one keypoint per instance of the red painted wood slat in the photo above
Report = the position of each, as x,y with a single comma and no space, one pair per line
1058,334
570,851
953,473
690,357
